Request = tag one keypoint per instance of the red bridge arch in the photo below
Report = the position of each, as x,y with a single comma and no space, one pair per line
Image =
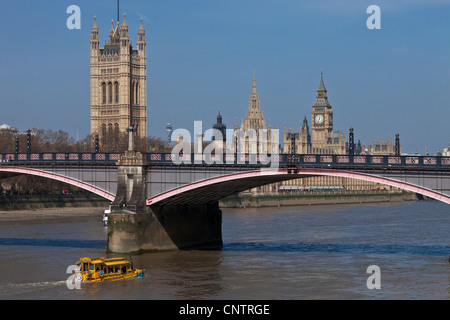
58,177
216,188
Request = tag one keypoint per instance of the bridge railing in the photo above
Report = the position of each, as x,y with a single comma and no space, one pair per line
58,157
282,160
305,160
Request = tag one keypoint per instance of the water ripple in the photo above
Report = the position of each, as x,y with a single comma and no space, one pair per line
70,243
339,248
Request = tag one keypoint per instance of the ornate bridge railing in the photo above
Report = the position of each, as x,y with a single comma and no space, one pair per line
412,162
308,160
59,158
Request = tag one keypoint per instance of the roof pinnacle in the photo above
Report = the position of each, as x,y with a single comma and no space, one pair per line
321,84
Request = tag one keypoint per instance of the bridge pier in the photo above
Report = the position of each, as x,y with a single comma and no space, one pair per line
133,226
131,193
168,227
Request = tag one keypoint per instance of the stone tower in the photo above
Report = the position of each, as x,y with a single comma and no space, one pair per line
254,120
321,116
324,140
118,83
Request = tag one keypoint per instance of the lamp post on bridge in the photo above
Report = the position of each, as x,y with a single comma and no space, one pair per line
169,130
28,141
96,144
291,137
351,143
397,144
130,131
17,144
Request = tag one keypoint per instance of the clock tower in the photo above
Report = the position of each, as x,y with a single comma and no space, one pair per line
321,119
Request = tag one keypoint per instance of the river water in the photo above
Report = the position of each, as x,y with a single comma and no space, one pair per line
317,252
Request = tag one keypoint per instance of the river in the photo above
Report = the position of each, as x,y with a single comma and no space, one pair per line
317,252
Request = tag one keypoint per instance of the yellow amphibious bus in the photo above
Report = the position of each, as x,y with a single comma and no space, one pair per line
100,269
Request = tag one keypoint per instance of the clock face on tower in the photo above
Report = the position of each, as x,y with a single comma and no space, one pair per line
318,119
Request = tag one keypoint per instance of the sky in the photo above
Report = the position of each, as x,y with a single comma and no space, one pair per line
201,56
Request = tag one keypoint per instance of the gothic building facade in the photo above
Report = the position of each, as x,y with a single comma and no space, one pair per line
321,139
261,141
118,83
297,142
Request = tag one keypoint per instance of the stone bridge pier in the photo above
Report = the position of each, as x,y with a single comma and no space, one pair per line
135,227
131,183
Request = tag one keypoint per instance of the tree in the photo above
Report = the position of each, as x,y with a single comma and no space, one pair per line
43,140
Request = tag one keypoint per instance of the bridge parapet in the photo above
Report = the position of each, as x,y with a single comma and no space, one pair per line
232,160
131,182
306,160
55,158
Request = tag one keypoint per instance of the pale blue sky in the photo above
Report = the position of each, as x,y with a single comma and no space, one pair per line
202,55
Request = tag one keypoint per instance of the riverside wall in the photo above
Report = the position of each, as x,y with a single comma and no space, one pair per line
244,200
37,202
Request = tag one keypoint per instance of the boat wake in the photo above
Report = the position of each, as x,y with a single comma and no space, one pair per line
31,285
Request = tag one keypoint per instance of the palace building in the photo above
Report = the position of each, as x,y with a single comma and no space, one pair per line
118,89
322,139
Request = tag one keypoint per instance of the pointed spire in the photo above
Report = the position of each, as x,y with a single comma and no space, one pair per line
95,27
111,31
94,33
124,23
95,40
321,95
219,118
321,85
141,35
254,83
124,28
254,99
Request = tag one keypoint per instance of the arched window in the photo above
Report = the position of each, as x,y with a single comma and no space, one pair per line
103,93
110,94
116,90
132,93
110,128
103,134
137,93
116,131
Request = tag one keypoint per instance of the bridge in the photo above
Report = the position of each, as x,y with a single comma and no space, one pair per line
167,201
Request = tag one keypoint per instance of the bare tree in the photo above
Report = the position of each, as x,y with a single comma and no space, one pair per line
43,140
